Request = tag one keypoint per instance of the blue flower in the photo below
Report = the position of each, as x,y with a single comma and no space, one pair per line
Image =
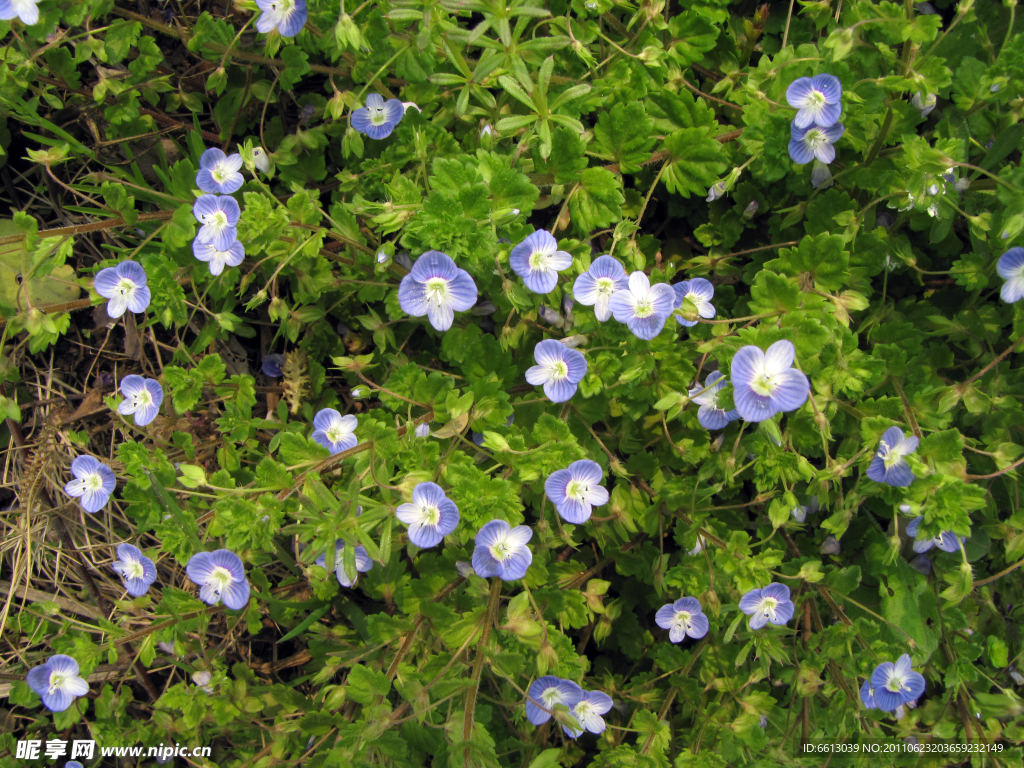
947,541
770,605
1011,268
709,414
26,10
287,16
765,384
548,691
378,118
334,431
867,695
576,491
125,286
643,307
700,292
363,563
431,516
595,287
57,682
142,397
218,173
423,430
94,482
137,570
501,551
817,98
218,259
559,369
814,141
219,216
588,711
681,618
896,684
221,577
271,366
538,261
888,466
437,288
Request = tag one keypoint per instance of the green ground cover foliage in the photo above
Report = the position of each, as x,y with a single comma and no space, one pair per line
354,251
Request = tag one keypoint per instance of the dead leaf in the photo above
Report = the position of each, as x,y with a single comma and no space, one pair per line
454,427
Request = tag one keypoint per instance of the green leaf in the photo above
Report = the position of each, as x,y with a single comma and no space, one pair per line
822,259
696,161
597,201
692,37
771,292
297,62
624,134
567,157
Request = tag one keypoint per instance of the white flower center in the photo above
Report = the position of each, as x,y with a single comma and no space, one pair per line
437,290
763,385
125,287
283,7
577,489
501,552
56,682
539,261
889,457
768,606
815,138
550,697
644,308
142,398
218,219
682,620
605,285
816,100
220,578
583,710
92,482
895,684
220,173
133,570
335,433
558,370
431,514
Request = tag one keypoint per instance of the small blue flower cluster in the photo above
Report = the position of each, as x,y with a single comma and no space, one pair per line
217,242
587,707
816,127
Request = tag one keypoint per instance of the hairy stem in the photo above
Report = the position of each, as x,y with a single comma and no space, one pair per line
478,667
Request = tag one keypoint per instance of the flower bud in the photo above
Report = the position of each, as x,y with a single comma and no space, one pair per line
925,105
260,159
